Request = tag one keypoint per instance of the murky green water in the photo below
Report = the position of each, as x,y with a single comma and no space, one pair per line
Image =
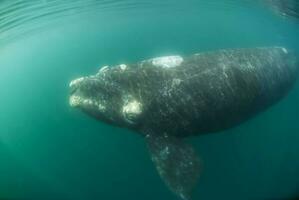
50,151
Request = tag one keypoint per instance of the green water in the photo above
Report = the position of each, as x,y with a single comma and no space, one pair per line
51,151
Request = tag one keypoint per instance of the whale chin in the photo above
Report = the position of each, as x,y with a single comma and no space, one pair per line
78,101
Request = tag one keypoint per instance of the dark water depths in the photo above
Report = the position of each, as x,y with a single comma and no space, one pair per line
50,151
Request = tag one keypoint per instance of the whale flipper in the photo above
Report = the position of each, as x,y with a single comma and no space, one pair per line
176,162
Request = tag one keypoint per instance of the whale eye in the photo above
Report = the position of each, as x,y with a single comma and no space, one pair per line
131,111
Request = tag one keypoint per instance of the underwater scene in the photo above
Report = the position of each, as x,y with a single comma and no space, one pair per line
148,99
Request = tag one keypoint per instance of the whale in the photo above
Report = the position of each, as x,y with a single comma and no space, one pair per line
167,99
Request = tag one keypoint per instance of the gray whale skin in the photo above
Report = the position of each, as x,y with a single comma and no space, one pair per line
168,98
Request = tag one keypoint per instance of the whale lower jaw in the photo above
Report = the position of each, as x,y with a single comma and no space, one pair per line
77,101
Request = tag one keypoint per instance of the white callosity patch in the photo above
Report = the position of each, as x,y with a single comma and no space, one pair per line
123,67
95,104
101,107
76,81
88,102
131,110
167,61
79,100
75,101
103,70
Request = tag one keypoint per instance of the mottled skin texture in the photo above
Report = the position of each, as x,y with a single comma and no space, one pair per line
208,92
217,90
202,93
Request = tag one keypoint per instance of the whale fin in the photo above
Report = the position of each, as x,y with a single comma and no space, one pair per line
176,162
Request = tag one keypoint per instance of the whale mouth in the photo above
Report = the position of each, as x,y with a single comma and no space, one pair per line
83,94
75,84
76,97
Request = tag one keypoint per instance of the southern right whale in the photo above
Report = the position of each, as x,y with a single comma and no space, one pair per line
166,99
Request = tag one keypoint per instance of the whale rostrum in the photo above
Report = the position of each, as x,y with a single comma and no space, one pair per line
166,99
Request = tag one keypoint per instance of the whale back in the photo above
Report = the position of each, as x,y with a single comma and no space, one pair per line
212,91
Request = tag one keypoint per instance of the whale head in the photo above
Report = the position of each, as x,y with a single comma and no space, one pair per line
105,99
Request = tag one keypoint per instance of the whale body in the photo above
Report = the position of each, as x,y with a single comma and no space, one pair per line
166,99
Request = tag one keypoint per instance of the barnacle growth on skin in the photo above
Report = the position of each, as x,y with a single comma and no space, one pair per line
75,82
